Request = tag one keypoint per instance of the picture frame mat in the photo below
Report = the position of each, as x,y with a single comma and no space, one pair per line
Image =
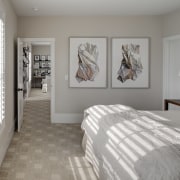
101,78
36,57
143,79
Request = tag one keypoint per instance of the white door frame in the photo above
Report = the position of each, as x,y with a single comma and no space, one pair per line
166,61
51,42
19,91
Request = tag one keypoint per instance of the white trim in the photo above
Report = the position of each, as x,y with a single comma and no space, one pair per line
3,71
172,37
67,118
51,42
165,68
166,62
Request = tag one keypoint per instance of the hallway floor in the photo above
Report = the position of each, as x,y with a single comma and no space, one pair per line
45,151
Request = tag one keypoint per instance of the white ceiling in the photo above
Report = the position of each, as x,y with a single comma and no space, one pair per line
94,7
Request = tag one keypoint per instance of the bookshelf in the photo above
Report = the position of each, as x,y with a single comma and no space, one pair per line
41,69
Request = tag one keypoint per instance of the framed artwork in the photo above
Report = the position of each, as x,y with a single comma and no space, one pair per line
36,57
43,57
36,65
130,62
88,62
44,64
48,57
49,64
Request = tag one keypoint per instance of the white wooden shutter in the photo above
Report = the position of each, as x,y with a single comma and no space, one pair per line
2,69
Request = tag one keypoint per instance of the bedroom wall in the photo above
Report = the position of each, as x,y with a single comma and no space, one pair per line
171,25
74,101
40,50
7,131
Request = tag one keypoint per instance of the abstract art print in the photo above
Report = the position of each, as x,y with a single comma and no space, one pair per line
87,62
130,62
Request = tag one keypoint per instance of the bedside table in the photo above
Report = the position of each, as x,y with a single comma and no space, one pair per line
171,101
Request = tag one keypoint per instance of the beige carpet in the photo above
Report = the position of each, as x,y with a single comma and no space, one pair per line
45,151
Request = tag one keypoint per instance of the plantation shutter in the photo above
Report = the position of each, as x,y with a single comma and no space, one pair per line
2,69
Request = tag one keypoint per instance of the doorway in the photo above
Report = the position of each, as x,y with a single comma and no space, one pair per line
171,69
41,69
40,73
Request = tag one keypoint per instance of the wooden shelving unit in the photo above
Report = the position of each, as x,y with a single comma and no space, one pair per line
41,69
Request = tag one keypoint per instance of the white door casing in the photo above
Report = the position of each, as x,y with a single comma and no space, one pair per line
171,68
20,98
51,43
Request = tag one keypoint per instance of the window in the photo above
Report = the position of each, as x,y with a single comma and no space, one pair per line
2,71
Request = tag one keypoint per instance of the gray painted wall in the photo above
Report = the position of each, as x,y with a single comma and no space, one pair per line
11,34
40,50
171,24
70,100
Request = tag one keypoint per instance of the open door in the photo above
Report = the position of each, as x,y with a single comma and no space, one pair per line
23,50
24,67
20,98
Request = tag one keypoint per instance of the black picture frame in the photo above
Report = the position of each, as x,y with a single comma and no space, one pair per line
43,57
45,65
48,57
36,57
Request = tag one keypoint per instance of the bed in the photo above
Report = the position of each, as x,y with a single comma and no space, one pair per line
122,143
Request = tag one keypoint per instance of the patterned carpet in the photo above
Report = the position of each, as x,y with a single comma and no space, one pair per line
45,151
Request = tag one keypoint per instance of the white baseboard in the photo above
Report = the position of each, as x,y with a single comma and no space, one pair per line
67,118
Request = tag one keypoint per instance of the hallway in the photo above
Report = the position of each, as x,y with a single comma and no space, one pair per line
45,151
